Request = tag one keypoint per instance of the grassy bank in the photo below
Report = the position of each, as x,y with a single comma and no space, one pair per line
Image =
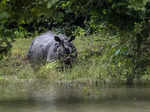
94,63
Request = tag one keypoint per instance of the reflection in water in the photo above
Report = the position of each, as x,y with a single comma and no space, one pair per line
109,106
46,98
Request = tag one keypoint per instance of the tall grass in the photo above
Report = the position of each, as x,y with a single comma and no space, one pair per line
93,62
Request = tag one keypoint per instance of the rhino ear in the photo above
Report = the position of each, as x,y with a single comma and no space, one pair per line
71,38
57,39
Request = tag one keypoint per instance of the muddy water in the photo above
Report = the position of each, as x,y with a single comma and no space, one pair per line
109,106
74,99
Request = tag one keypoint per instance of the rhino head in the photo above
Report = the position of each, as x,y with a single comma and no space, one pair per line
64,50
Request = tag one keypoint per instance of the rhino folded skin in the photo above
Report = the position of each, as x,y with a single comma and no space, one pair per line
50,47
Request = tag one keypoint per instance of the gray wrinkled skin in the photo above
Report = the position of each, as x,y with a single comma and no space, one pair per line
48,48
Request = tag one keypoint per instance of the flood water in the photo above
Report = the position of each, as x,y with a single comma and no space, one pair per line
71,99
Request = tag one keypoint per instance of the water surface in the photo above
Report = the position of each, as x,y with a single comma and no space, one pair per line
70,99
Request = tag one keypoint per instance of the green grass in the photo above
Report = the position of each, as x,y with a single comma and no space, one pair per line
93,63
89,64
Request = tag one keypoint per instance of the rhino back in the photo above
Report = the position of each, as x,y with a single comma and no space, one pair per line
43,44
39,46
43,39
47,38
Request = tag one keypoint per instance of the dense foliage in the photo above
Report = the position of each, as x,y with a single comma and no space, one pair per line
126,20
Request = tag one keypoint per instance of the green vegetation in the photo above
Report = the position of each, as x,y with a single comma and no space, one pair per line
94,63
112,38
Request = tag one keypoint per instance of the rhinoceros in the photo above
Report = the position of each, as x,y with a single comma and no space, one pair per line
49,47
